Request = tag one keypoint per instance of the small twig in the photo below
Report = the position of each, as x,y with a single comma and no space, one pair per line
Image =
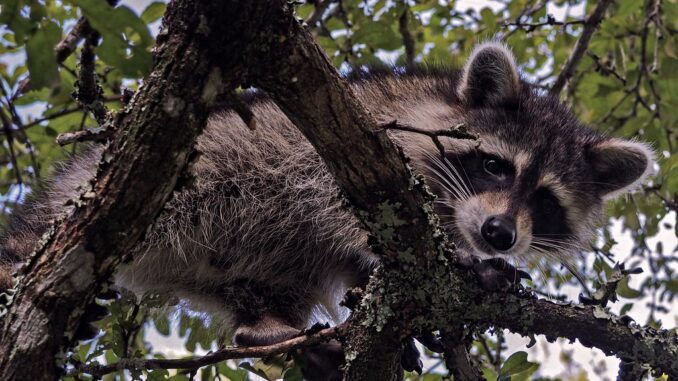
550,21
64,112
318,12
67,46
457,357
605,69
7,128
21,134
63,50
211,358
497,356
670,204
580,47
87,135
457,132
88,92
527,13
488,352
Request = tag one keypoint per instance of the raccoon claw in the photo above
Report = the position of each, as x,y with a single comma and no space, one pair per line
411,358
497,274
315,328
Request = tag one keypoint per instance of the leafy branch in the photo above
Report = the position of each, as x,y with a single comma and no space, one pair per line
580,47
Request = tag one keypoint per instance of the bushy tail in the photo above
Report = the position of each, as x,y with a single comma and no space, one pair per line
29,222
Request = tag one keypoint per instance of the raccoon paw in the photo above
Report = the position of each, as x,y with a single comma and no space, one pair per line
497,274
411,358
86,330
322,362
432,342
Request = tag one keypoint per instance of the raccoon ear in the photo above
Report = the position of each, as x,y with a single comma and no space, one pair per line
490,76
620,166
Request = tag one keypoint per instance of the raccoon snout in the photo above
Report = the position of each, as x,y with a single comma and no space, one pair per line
499,231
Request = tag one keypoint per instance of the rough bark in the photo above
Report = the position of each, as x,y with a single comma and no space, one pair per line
138,173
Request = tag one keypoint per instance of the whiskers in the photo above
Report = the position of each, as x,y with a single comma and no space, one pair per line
559,250
448,178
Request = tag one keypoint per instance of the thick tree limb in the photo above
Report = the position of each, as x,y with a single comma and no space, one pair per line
580,47
137,175
591,325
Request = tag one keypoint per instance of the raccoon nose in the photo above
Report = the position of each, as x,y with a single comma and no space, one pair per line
500,232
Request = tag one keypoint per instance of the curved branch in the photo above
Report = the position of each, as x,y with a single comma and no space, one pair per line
224,354
591,325
580,48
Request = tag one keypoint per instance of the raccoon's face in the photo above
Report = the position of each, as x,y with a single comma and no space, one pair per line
537,181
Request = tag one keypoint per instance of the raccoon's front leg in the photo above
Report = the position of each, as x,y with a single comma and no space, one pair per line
267,330
321,362
494,273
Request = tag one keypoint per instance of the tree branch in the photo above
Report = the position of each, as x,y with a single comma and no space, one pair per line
550,21
457,358
591,325
408,39
220,355
580,47
141,170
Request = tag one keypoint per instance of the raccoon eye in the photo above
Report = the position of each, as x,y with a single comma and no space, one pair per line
548,205
492,166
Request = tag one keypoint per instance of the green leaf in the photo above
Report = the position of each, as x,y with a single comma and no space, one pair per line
41,58
153,12
232,374
293,374
158,375
624,290
162,325
515,364
258,372
126,39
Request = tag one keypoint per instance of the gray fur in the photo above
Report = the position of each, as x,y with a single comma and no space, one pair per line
262,240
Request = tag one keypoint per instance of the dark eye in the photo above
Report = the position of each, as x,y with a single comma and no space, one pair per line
492,167
548,205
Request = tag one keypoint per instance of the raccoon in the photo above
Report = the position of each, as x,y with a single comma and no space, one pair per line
263,243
